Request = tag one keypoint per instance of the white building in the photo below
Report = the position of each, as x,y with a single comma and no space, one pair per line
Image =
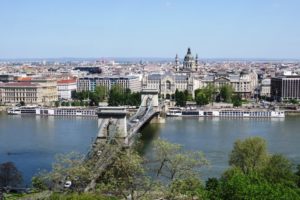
265,88
89,83
66,87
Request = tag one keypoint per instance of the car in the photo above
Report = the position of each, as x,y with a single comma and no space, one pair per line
67,184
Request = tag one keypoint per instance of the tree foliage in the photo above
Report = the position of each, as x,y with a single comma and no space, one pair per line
205,95
175,163
117,97
249,155
9,175
226,92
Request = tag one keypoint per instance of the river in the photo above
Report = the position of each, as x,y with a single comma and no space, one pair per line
31,142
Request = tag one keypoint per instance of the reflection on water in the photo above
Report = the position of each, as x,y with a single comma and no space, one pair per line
32,141
215,137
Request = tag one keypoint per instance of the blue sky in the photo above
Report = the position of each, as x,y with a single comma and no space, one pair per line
149,28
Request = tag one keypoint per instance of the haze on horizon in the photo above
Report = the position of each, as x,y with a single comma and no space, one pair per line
143,28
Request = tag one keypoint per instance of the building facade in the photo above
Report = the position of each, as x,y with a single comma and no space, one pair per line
14,93
285,88
265,88
168,83
39,91
65,88
190,64
89,83
244,83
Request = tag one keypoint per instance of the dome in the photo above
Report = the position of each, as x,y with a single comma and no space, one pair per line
188,56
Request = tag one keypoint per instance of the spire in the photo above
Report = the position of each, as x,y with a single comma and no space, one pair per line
176,62
189,51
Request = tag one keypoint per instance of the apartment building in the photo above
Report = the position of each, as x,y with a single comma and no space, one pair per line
89,83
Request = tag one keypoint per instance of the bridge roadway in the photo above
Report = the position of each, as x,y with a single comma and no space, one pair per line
133,126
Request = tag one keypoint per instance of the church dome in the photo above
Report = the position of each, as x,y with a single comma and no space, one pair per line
189,56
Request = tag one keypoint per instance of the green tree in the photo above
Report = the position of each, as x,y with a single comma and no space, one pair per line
279,170
226,92
241,186
180,98
298,175
213,188
201,98
205,95
249,155
67,167
56,103
236,100
126,176
172,162
189,188
115,97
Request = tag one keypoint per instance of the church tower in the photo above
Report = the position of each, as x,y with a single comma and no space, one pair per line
177,63
189,61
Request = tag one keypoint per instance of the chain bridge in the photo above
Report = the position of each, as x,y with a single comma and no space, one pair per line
114,123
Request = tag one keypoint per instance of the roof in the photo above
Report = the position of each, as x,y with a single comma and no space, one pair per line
24,78
65,81
20,84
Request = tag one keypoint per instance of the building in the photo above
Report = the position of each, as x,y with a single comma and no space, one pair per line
6,78
244,83
38,91
16,92
285,88
89,83
168,83
265,88
190,64
65,88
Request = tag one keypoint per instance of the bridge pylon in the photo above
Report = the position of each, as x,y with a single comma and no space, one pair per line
112,124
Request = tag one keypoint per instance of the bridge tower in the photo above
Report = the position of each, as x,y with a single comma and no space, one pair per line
112,124
148,95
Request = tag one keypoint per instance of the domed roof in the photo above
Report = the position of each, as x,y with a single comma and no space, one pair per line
188,56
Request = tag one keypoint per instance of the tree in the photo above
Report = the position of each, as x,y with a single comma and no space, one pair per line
279,170
213,188
126,176
9,175
56,103
22,103
249,154
189,188
180,98
201,98
298,175
172,162
240,186
226,92
236,100
115,97
67,167
205,95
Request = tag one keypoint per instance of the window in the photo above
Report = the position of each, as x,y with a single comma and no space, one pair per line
168,84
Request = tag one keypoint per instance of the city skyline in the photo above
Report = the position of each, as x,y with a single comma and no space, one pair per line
160,28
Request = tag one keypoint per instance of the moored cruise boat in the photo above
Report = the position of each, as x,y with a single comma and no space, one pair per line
238,113
60,111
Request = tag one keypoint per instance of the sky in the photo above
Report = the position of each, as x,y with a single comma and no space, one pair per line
149,28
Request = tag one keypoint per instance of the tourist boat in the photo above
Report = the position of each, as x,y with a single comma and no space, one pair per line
257,113
60,111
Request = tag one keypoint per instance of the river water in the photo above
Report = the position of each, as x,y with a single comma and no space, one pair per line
32,142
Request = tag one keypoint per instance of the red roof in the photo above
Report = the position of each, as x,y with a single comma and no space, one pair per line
24,79
66,81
